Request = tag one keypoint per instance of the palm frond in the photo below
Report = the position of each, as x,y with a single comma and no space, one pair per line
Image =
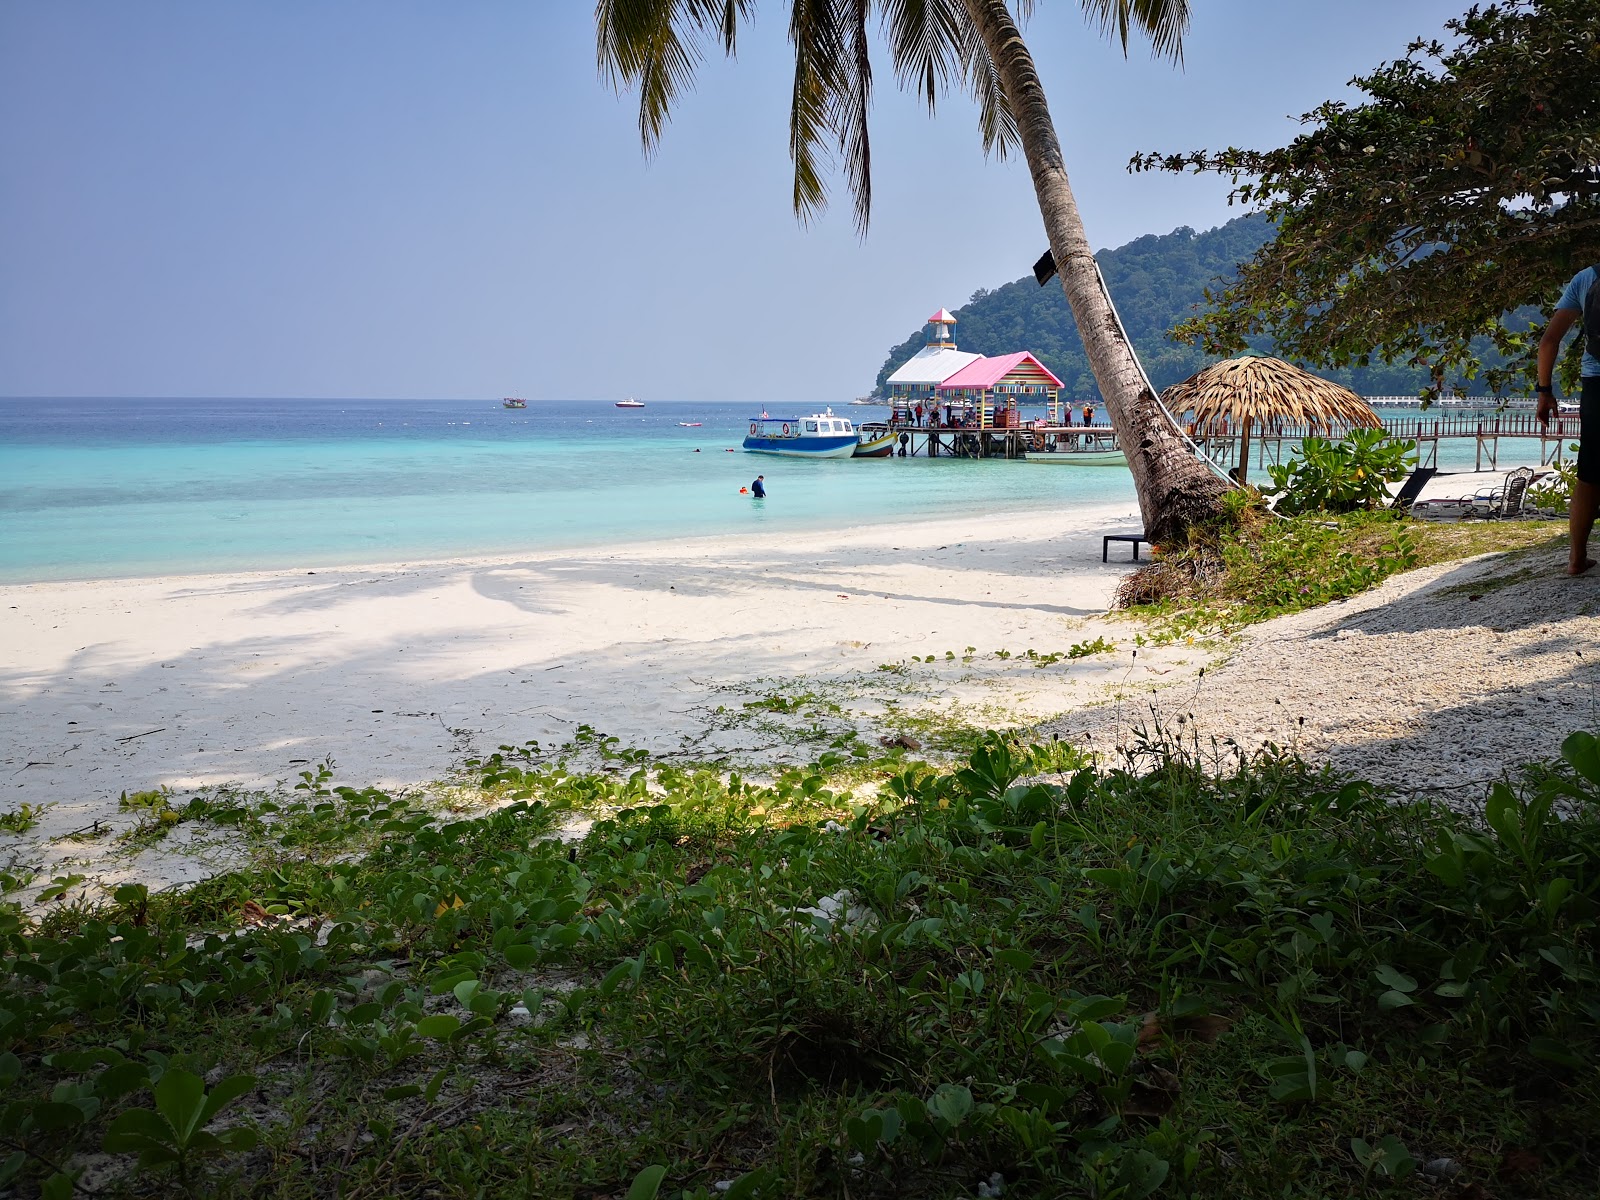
818,38
853,105
655,45
1164,22
924,37
996,121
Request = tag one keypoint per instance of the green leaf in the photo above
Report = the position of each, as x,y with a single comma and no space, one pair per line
439,1026
59,1186
1582,750
435,1084
181,1098
1397,980
521,956
1018,960
1392,1000
229,1090
138,1131
1553,1051
49,1117
647,1183
952,1102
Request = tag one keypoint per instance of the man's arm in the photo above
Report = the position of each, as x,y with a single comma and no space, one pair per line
1549,349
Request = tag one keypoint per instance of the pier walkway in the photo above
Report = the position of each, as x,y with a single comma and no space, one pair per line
1267,441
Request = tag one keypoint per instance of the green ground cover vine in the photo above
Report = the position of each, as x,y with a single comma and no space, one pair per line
1195,973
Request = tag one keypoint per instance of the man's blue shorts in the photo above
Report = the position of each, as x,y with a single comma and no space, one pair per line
1589,431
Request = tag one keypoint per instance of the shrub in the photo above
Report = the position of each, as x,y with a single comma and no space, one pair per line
1341,477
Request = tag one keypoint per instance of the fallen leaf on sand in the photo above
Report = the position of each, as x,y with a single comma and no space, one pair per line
252,913
1203,1027
904,740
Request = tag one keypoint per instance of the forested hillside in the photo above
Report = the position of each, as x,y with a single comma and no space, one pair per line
1156,281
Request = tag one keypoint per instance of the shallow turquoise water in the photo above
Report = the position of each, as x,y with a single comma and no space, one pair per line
106,488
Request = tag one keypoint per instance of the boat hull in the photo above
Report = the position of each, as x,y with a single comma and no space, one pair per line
831,446
878,447
1081,458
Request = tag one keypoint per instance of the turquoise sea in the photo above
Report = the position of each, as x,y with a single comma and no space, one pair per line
121,487
104,488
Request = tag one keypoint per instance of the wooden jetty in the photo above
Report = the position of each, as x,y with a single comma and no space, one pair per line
1270,443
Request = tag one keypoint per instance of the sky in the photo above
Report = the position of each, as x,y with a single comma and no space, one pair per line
370,198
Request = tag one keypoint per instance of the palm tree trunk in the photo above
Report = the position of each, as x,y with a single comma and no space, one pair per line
1175,489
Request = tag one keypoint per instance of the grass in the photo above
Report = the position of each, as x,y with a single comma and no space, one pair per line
1254,567
1196,973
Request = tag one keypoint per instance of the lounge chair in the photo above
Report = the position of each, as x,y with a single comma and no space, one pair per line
1412,488
1505,500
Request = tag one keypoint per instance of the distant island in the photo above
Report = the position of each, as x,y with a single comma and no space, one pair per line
1156,281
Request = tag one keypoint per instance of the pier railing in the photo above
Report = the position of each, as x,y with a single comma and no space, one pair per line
1269,440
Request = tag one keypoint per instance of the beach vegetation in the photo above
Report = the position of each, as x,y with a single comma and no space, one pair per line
1552,492
1255,566
1192,971
22,818
1431,224
1351,474
656,46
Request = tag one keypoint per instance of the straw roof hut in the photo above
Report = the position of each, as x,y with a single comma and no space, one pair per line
1240,392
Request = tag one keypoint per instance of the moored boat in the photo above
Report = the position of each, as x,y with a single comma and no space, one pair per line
875,441
820,435
1085,450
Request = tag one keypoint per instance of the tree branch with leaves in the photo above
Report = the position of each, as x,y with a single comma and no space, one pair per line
1413,227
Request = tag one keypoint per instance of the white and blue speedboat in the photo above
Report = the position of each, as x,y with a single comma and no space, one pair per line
821,435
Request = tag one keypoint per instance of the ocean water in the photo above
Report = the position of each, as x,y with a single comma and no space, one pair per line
124,487
120,487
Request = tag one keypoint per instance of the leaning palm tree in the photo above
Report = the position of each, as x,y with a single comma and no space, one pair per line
655,45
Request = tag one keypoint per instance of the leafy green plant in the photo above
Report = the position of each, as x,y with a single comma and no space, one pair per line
22,818
1553,492
174,1131
1343,476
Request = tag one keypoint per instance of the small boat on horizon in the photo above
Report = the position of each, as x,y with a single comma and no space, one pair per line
630,402
689,424
513,402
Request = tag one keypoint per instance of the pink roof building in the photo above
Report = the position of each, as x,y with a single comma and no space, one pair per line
1003,371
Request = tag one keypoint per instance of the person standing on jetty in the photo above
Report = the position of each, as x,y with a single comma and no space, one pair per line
1579,299
758,488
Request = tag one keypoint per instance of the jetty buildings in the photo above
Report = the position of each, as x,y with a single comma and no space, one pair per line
969,391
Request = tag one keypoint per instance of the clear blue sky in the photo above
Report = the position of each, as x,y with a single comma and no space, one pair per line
396,198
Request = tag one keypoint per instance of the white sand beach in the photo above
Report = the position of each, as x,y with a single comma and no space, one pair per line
400,673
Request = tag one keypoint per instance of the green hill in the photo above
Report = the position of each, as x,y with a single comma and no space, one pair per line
1156,281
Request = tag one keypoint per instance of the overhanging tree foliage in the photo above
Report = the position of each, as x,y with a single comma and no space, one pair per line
1413,227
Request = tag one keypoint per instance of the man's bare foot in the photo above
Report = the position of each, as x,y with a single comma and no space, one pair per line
1578,568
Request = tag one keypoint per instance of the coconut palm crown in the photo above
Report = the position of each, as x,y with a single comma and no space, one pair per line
656,45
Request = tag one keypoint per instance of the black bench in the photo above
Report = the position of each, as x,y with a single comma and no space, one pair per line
1135,538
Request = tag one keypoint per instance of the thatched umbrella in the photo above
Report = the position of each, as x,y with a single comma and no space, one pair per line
1247,390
